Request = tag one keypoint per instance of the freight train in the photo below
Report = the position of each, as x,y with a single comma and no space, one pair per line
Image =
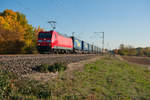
53,42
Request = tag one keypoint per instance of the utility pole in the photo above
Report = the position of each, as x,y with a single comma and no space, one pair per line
103,44
53,24
102,40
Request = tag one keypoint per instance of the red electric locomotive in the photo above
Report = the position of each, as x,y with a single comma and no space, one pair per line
52,41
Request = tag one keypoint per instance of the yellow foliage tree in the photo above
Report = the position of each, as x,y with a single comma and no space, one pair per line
15,29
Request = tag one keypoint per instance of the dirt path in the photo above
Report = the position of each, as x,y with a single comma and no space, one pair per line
70,68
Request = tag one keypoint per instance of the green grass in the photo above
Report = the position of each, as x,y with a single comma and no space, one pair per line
112,79
105,79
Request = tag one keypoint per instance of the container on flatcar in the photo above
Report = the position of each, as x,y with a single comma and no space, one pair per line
77,44
90,48
94,49
99,50
85,46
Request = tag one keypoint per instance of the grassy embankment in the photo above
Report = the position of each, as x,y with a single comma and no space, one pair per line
105,79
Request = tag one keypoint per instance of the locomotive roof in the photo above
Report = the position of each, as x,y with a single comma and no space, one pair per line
56,32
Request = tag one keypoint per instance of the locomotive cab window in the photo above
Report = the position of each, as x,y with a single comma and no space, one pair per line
44,35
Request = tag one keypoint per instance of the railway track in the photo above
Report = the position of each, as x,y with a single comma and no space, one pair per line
28,56
23,64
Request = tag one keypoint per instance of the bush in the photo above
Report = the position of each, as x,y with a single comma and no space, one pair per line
51,68
57,67
42,68
30,50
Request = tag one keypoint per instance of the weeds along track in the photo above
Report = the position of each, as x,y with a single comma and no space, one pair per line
23,64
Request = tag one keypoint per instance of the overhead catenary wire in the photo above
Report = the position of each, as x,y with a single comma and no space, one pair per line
19,3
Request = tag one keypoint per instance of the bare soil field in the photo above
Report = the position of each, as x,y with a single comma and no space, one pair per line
138,60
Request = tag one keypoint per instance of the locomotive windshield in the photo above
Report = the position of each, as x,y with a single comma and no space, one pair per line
45,35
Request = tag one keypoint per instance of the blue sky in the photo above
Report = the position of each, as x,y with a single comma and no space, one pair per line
123,21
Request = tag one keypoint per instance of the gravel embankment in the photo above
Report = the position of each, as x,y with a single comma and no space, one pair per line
23,64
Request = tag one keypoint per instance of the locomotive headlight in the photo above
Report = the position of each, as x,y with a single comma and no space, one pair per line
39,40
39,44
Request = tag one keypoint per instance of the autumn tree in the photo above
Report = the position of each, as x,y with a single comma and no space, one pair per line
140,51
15,31
123,50
8,44
147,51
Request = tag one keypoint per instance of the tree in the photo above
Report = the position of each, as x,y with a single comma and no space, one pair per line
140,51
147,51
15,30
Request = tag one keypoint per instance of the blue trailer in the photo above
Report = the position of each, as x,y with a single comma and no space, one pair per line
99,50
90,48
77,44
85,46
94,49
